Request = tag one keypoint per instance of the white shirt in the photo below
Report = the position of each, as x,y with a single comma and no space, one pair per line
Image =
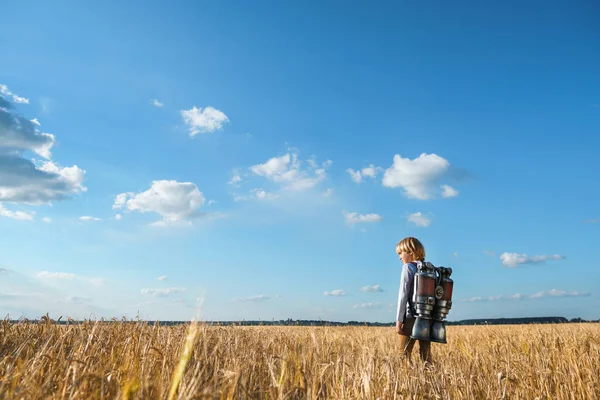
407,278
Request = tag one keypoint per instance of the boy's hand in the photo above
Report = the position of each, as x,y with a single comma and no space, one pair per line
399,327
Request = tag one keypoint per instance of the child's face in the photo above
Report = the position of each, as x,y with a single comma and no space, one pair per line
406,257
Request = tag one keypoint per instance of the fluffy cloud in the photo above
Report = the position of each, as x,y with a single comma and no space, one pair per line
88,218
235,179
162,278
206,120
368,305
515,259
371,289
449,191
27,181
419,219
176,202
157,103
287,170
354,218
163,292
46,220
420,178
15,98
336,292
370,172
18,215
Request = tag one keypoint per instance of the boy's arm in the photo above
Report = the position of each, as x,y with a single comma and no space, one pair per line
403,294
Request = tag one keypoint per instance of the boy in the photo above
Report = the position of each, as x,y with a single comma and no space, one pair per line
410,251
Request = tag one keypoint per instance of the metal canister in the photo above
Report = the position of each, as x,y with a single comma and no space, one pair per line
443,304
423,300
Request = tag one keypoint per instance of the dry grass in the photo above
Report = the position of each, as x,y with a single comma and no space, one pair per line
139,361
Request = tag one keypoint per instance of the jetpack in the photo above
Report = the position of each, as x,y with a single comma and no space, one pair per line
432,300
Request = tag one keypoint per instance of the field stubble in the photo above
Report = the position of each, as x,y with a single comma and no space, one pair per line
135,360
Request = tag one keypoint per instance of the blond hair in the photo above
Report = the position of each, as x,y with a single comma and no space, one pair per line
413,246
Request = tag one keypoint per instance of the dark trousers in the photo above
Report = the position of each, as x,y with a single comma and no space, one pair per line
407,343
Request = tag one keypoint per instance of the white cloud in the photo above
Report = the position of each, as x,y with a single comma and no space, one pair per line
559,293
255,298
118,217
336,292
157,103
47,220
419,219
257,194
28,181
371,289
203,121
35,122
262,195
287,171
236,179
419,177
354,218
370,172
176,202
475,299
55,275
369,305
88,218
519,296
354,175
15,98
162,278
163,292
449,191
48,275
515,259
18,215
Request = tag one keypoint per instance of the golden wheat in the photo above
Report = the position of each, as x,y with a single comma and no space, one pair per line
135,360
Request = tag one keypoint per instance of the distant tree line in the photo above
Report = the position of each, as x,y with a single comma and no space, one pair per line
292,322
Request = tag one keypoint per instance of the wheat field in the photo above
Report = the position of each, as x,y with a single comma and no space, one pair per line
136,360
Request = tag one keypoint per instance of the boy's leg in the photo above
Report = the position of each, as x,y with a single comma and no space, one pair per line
406,342
406,345
425,350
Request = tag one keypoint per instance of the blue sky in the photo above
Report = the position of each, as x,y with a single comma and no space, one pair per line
261,160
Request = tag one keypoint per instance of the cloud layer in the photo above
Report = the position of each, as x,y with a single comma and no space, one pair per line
28,181
518,296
